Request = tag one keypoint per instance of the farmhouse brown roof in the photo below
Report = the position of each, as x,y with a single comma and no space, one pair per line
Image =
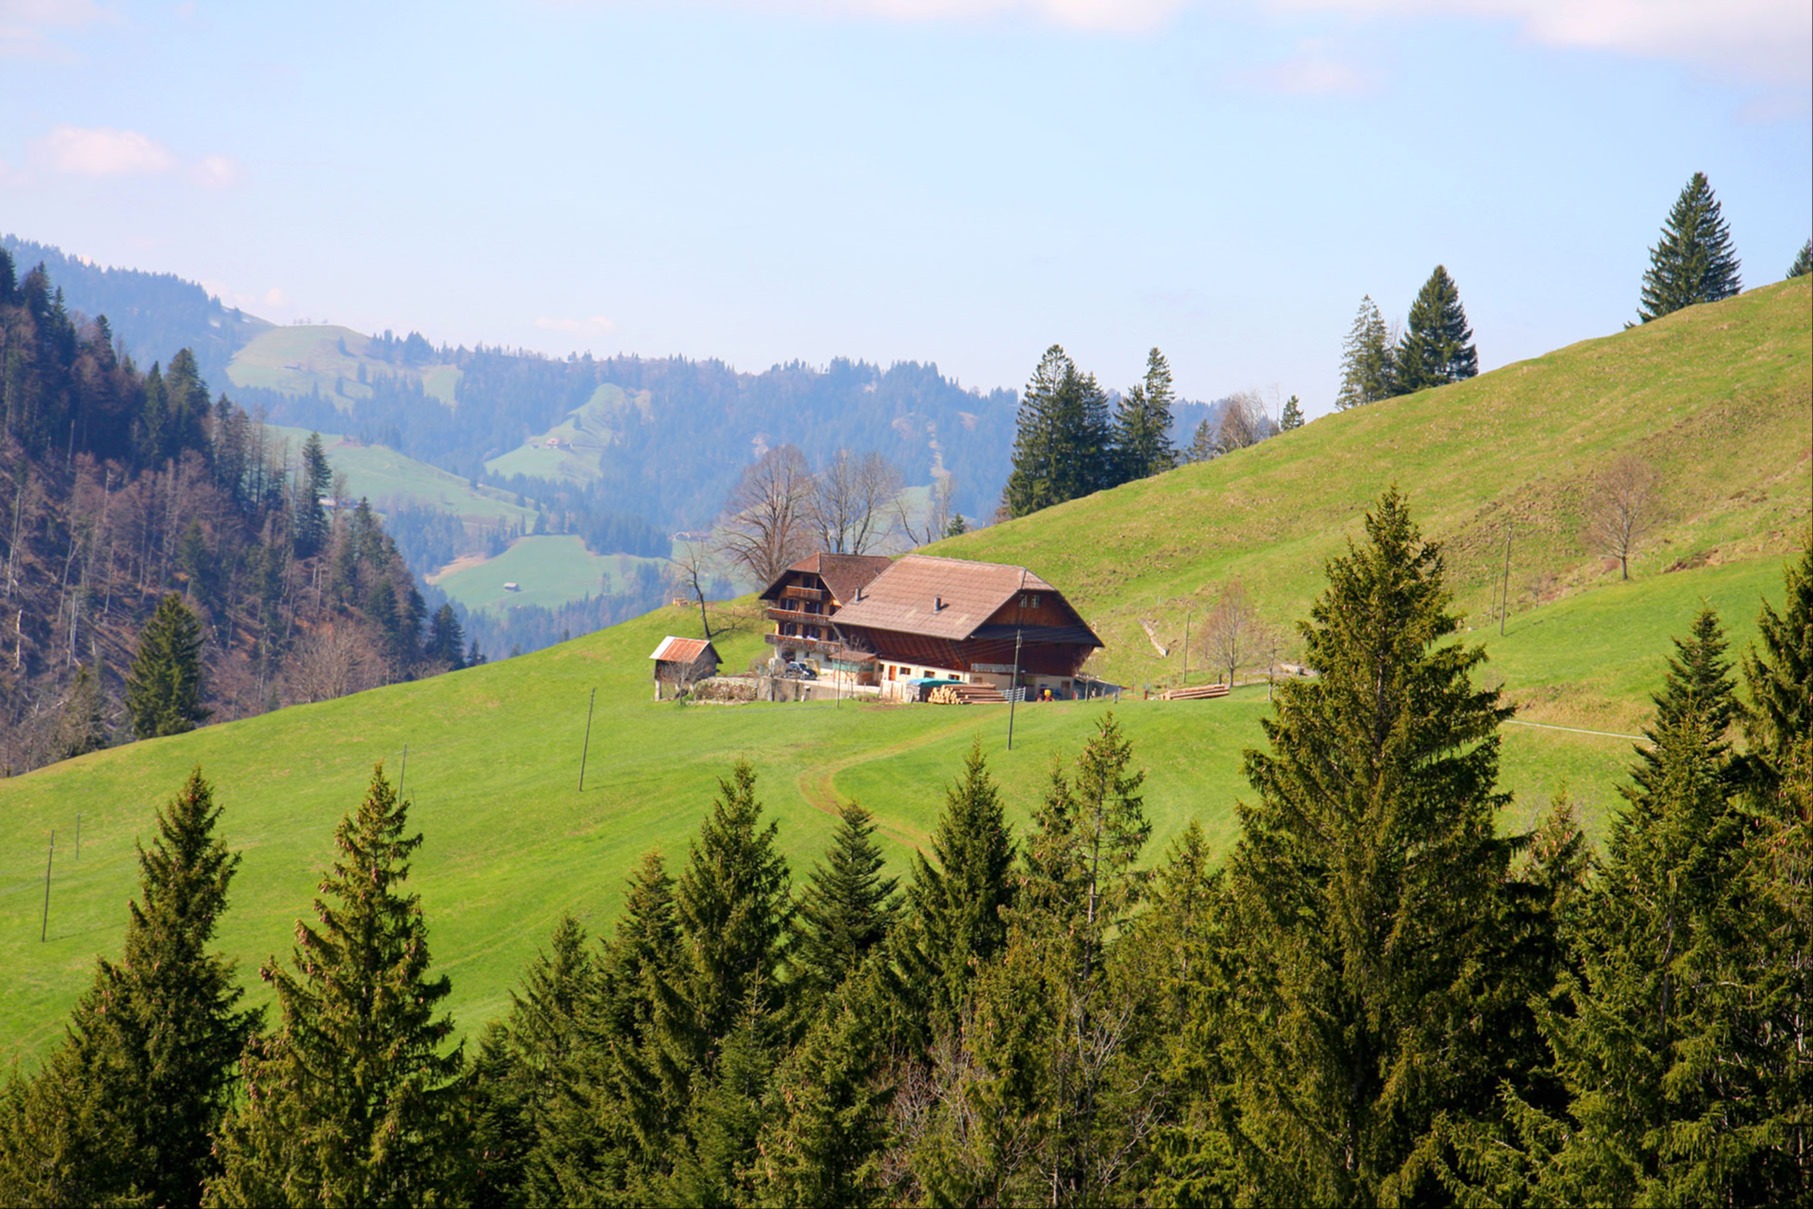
945,598
842,573
681,650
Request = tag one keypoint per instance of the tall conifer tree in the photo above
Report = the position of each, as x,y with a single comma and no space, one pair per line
353,1101
1437,347
735,914
1365,882
1693,261
1803,261
1652,945
1142,425
1367,361
148,1068
957,901
847,907
164,688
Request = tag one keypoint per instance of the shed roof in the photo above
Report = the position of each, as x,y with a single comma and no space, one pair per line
683,650
842,573
947,598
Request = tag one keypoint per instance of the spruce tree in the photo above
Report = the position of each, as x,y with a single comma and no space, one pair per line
353,1100
735,914
1062,448
1655,941
446,639
529,1075
164,688
310,524
1693,261
1292,416
1142,424
847,907
1803,261
823,1145
1437,347
148,1067
957,901
1367,360
1365,883
1777,994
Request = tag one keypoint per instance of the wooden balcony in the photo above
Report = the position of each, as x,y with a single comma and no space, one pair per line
799,615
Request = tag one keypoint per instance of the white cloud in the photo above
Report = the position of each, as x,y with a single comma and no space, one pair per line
593,325
26,26
102,151
1756,41
216,171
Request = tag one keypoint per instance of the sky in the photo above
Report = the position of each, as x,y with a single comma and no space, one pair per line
956,181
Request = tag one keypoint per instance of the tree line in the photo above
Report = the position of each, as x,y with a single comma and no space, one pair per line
1691,262
1376,998
120,487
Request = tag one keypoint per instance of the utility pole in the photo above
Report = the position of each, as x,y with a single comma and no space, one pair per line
402,771
586,749
1186,650
44,928
1013,692
1504,602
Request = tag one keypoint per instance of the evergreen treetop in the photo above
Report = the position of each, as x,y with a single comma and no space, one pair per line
1693,261
1367,360
1062,449
958,905
1292,416
1142,424
847,907
735,912
353,1100
1803,261
1437,347
1365,882
164,688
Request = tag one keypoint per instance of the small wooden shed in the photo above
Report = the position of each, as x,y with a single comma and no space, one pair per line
682,662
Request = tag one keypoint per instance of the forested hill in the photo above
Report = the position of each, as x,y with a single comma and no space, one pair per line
119,488
151,314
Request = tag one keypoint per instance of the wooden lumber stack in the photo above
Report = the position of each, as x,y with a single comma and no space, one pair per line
966,694
1201,692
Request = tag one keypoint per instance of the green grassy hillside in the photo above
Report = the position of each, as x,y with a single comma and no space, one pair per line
549,571
1716,397
1719,397
579,441
386,477
304,358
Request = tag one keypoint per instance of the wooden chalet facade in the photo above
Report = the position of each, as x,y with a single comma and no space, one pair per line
899,624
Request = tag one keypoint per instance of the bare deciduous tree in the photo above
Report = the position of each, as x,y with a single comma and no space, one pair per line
1621,509
691,566
850,501
332,661
1243,422
924,528
1232,636
767,523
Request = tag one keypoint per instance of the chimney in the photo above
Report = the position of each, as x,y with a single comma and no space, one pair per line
937,604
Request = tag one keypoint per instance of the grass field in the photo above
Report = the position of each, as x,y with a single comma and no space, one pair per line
302,358
550,570
1719,398
493,752
386,477
582,437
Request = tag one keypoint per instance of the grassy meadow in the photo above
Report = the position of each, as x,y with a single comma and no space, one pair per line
550,571
584,434
386,478
1717,396
298,359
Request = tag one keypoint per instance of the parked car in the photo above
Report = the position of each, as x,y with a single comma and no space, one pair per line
796,670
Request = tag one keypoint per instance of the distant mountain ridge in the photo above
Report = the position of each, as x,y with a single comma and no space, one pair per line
151,314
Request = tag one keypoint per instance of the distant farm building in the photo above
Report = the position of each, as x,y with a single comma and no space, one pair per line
510,585
682,662
920,623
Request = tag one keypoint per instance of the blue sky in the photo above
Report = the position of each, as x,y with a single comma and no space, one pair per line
958,181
